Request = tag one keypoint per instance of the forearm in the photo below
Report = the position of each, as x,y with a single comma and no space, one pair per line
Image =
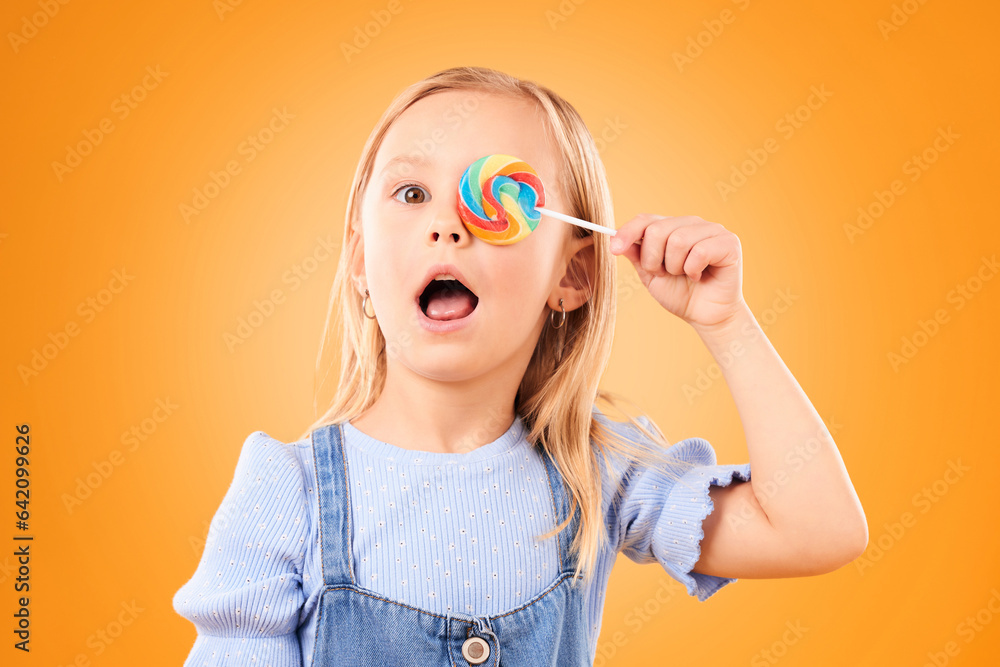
798,475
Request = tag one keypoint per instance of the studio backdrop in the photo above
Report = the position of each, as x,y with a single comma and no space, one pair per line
174,186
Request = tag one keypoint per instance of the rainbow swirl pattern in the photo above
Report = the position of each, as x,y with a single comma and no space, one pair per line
497,197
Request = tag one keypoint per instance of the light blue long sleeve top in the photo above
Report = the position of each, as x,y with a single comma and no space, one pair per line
253,597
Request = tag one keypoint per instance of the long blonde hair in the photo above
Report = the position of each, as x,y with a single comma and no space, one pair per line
557,397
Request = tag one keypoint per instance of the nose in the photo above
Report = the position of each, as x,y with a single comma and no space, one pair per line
447,227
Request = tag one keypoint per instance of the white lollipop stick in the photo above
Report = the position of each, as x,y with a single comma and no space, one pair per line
577,221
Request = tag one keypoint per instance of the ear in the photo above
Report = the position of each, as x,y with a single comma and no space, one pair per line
576,286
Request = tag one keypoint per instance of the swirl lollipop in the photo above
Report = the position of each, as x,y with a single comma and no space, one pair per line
500,199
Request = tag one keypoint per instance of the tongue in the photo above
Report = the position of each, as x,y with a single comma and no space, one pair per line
449,304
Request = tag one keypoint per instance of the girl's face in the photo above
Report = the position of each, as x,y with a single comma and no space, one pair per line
410,222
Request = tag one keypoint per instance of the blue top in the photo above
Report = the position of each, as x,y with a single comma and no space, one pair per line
434,530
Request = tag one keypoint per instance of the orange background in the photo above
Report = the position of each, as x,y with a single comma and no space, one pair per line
671,134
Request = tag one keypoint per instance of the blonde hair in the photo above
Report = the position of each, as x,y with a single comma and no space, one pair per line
557,396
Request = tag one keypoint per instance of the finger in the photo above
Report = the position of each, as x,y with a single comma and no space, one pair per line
632,253
721,250
654,243
631,232
682,239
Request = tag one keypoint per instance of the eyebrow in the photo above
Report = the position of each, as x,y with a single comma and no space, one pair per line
413,159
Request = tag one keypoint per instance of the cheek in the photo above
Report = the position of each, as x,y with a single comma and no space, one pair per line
387,241
386,261
525,280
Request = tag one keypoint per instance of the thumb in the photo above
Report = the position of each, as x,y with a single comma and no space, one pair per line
623,244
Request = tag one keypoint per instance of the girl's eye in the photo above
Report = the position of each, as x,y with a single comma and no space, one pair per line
412,194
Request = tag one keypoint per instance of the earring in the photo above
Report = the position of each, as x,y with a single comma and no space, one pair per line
561,321
364,310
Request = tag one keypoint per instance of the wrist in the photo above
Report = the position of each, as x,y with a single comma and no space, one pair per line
737,326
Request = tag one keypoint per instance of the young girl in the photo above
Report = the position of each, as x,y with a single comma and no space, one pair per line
463,500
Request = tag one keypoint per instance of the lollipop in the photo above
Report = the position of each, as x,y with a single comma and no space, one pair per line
500,198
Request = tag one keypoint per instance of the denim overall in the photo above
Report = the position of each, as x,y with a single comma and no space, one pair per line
359,627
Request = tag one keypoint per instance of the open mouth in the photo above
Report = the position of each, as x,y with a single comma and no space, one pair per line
447,300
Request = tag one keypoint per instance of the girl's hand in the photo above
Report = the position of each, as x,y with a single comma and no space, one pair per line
692,267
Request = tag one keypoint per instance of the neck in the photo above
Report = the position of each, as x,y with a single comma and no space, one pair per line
419,413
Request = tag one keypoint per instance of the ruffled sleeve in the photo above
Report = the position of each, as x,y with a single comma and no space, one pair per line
246,594
657,519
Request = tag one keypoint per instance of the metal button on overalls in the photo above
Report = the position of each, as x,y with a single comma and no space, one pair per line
476,650
359,627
